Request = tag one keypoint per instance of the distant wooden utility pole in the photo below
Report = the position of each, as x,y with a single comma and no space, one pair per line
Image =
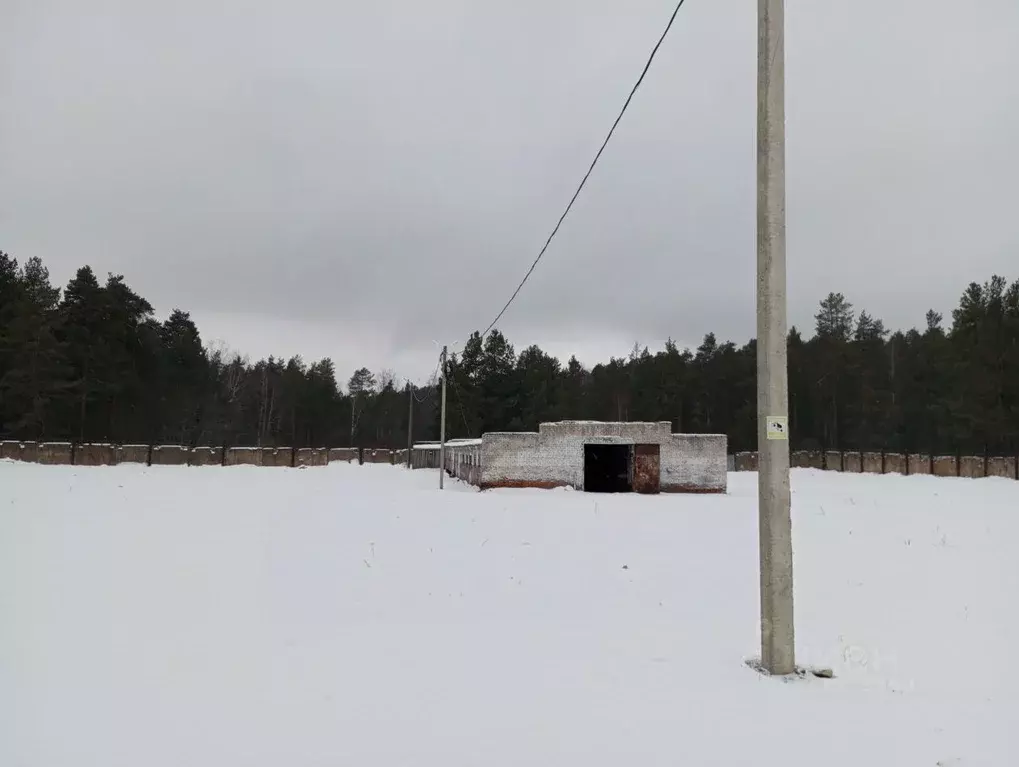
442,423
410,421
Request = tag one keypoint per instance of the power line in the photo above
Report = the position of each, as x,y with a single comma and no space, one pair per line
594,162
428,388
460,402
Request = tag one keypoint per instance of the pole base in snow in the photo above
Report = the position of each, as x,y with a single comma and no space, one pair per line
799,673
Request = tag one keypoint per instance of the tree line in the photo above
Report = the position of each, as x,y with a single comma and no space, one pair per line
91,363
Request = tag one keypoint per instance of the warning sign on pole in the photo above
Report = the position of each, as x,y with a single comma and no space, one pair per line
778,427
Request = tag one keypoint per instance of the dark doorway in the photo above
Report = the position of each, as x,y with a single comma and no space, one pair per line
607,468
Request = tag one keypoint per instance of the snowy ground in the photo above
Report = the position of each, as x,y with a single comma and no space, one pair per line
356,616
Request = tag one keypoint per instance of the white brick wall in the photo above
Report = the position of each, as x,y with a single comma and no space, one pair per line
554,456
695,463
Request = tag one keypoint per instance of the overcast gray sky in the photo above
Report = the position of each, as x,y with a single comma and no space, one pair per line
360,180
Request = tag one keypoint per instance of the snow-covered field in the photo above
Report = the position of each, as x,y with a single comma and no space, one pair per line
356,616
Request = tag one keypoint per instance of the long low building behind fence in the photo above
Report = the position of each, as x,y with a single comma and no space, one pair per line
969,466
425,455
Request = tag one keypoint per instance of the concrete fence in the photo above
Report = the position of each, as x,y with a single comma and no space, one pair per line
852,463
377,456
207,456
343,455
462,459
804,459
833,461
745,461
133,454
95,455
895,463
873,463
49,453
970,466
307,456
89,454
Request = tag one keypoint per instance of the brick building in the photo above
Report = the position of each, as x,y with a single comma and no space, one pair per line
594,456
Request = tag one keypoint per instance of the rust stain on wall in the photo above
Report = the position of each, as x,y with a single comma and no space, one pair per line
698,489
539,485
647,469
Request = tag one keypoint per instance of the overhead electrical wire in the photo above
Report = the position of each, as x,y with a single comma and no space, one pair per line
429,388
460,402
590,169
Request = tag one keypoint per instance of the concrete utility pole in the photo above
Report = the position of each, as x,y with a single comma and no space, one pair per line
776,549
410,421
442,424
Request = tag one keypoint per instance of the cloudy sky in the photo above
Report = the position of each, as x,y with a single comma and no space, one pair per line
363,180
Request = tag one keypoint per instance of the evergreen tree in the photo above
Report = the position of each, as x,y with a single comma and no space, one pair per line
835,318
834,329
464,376
36,371
94,364
538,383
10,292
82,314
499,395
184,379
360,386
